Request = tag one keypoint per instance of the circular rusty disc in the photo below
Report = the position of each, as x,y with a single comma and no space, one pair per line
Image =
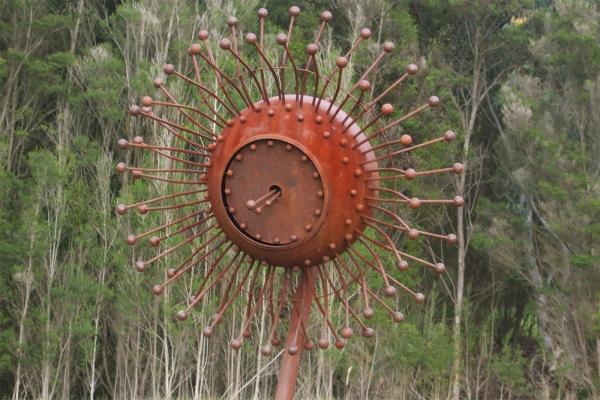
311,159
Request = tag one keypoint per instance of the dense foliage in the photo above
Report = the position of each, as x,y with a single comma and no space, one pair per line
517,315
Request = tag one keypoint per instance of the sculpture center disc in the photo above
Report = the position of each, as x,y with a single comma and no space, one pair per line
273,192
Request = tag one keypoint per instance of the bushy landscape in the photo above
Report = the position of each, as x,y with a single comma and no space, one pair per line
516,315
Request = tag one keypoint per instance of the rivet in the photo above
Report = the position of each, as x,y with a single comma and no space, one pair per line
243,226
325,258
294,238
220,138
332,246
315,174
229,122
343,142
227,191
252,147
326,134
348,221
243,119
206,196
318,119
358,172
257,236
276,240
360,207
257,108
307,262
211,146
304,158
231,210
308,227
345,160
317,211
320,193
270,143
300,117
271,112
288,147
239,157
352,192
348,237
288,107
229,172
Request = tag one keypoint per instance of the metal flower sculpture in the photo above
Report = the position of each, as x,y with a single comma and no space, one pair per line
281,168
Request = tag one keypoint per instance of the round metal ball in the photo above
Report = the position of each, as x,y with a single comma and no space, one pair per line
157,82
157,290
251,38
406,140
203,34
414,203
451,238
232,21
413,234
281,39
169,69
235,344
122,143
364,85
368,332
326,16
346,332
154,241
195,49
181,315
147,101
134,110
398,316
387,109
402,265
323,344
225,44
434,101
389,291
419,298
388,47
121,167
365,33
312,49
368,313
439,268
459,201
121,209
449,136
292,350
412,69
266,350
340,344
208,331
341,62
131,240
294,11
262,13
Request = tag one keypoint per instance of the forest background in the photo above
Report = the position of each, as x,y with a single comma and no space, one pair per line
516,315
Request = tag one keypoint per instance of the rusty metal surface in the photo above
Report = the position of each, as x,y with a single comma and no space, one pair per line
319,174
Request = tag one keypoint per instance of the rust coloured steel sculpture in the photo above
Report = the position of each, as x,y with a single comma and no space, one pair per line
285,172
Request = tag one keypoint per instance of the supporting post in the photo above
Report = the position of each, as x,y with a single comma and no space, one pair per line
288,371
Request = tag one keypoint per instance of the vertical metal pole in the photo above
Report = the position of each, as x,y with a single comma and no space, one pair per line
288,371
